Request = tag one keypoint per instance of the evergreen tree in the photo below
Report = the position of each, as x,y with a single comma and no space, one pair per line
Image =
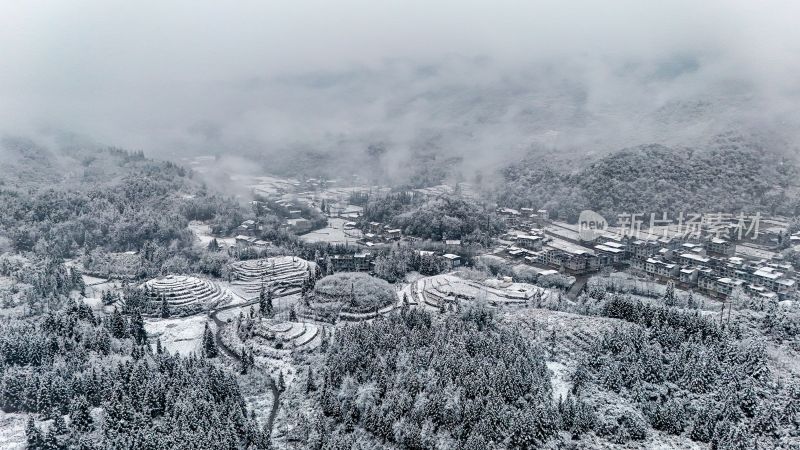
119,328
310,386
210,349
33,435
165,313
691,303
244,361
270,307
50,441
137,330
262,301
669,294
281,385
59,424
79,417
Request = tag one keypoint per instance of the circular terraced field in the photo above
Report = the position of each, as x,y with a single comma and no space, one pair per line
348,296
185,295
275,339
442,289
283,274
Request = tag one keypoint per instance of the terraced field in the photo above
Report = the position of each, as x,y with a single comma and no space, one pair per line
276,339
185,295
443,289
283,274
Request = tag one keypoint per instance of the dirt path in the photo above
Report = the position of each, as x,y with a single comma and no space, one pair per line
576,288
229,352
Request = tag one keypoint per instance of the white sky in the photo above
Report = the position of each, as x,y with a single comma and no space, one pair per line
142,73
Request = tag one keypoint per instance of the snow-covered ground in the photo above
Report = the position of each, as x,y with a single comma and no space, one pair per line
203,233
181,335
431,290
12,431
238,295
559,379
334,233
268,186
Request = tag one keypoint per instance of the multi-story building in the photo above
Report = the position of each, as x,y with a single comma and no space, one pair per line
610,252
529,242
643,249
360,262
661,269
721,247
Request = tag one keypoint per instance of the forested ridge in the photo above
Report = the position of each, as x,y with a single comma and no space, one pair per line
70,362
730,175
115,200
420,381
687,374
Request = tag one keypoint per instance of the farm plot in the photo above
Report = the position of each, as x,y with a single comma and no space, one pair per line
282,274
273,338
349,296
184,295
439,290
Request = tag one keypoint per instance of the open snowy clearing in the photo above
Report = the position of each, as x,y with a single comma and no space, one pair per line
181,335
559,380
12,431
334,233
203,234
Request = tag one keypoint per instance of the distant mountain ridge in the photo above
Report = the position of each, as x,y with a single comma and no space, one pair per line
732,174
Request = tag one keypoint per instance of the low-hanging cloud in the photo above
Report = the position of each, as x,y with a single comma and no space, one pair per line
486,80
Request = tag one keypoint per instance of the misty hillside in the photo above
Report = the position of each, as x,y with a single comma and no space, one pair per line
731,174
478,115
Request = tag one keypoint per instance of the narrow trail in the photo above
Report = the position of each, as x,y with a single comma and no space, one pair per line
577,287
238,358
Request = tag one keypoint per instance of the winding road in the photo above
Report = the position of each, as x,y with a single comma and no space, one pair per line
238,358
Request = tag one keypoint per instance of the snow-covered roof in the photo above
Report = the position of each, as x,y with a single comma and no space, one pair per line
767,272
694,257
605,248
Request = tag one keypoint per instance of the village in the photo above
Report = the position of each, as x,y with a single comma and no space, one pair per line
696,261
309,261
704,260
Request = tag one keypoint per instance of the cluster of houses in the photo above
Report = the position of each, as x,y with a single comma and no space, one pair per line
364,261
248,228
244,241
451,261
708,265
246,238
376,233
524,217
536,248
